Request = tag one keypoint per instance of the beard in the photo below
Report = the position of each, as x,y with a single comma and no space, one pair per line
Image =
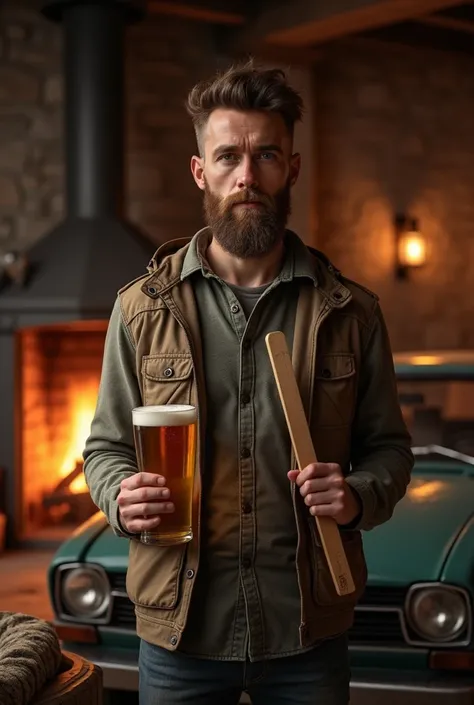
248,232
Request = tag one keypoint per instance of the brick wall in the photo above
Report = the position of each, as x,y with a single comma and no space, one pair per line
395,135
165,57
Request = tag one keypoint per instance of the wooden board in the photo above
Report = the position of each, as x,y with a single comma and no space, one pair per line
305,454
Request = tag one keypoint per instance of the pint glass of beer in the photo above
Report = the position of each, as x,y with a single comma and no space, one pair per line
165,442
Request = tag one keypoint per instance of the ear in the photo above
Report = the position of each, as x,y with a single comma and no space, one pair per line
197,169
295,165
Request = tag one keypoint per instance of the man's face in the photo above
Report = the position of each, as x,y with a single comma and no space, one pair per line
246,172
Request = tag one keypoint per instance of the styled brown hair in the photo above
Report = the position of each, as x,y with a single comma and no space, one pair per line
244,87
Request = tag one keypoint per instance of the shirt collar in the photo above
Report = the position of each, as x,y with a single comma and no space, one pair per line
298,261
194,259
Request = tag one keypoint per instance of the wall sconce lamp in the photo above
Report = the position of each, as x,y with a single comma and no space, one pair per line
411,245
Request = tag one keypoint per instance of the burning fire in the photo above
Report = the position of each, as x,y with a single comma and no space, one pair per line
83,401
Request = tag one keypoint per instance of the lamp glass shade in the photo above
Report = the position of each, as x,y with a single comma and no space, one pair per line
411,249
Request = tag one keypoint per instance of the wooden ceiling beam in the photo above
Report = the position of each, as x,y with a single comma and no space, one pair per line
447,23
200,13
303,23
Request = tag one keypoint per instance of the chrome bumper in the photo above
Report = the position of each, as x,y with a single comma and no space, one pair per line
368,687
373,687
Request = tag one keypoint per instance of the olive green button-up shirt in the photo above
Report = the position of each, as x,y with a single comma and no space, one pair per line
246,601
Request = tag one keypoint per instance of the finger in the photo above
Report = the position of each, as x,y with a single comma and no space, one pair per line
319,470
314,470
328,510
322,484
142,494
142,479
306,473
147,509
135,526
292,475
329,497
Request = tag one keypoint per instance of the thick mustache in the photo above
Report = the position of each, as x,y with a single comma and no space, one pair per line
246,197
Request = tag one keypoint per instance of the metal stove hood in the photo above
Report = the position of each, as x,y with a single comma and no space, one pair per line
77,268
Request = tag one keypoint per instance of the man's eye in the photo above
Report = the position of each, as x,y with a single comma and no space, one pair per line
228,158
267,156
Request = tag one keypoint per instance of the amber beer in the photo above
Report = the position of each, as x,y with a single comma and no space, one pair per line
165,442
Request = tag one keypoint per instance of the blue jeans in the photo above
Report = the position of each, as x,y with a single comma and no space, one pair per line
318,677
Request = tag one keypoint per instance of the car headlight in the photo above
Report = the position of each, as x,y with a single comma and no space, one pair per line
85,592
437,614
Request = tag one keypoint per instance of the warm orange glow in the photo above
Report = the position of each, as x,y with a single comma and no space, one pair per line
82,398
426,360
59,374
411,249
425,491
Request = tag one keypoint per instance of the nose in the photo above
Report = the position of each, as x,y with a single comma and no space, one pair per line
246,177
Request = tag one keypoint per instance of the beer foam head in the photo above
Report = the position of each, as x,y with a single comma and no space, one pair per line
166,415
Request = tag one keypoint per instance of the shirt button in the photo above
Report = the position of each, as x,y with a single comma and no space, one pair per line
234,308
245,399
246,563
338,295
190,573
245,453
173,640
246,508
326,373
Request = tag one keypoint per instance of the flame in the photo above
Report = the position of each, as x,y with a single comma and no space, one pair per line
83,401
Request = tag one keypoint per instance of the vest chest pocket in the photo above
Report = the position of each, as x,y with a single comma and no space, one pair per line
167,378
335,390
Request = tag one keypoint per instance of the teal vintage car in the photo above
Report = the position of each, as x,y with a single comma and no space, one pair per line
412,640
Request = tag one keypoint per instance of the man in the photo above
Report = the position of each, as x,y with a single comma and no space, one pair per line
249,603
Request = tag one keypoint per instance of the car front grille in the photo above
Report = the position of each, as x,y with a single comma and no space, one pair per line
376,628
123,613
377,620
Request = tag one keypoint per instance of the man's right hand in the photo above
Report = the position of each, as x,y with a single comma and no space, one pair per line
142,498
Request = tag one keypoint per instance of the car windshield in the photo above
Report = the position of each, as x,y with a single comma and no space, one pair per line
439,412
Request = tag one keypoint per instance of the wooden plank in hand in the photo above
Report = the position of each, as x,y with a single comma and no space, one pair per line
305,454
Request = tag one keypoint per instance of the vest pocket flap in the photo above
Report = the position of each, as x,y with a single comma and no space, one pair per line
335,366
153,576
167,367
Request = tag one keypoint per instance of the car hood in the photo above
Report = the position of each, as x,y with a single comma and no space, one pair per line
414,544
109,550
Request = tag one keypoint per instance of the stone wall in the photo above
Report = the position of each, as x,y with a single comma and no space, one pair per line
31,157
164,57
395,136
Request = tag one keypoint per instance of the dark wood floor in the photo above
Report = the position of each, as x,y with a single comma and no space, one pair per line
23,583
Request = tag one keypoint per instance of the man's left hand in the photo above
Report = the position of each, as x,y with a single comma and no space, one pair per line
326,493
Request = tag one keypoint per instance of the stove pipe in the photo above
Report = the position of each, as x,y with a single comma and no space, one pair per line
93,116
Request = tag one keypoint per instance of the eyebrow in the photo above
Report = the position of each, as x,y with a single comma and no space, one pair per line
232,148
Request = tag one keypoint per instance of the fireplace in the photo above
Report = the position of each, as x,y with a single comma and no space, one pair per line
53,322
57,382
